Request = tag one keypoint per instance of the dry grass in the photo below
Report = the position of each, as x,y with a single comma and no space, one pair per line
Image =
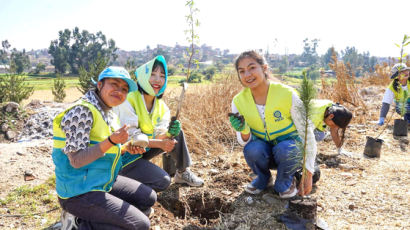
381,75
204,114
345,90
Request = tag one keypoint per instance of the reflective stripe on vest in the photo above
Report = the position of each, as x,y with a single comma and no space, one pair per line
318,114
277,112
100,174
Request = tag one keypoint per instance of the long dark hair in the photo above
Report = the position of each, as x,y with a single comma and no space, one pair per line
341,117
396,84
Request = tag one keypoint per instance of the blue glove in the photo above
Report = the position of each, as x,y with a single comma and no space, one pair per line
381,121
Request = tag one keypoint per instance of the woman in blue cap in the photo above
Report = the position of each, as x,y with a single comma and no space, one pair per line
146,112
87,156
267,119
397,91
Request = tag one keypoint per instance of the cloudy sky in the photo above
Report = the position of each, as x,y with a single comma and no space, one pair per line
237,25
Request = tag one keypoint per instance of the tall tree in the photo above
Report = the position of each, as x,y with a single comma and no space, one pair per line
59,49
309,55
19,61
78,49
351,55
4,59
327,57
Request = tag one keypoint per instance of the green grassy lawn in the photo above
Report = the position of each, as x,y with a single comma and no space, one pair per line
47,83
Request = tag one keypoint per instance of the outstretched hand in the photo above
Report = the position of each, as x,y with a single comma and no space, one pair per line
237,121
120,136
133,149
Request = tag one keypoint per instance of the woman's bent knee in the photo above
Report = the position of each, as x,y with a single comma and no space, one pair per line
163,184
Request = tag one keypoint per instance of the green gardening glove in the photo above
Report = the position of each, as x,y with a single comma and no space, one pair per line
238,123
174,128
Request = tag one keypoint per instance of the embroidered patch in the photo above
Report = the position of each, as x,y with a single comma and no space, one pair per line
278,115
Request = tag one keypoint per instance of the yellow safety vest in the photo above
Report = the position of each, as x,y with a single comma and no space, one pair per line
146,121
399,94
277,112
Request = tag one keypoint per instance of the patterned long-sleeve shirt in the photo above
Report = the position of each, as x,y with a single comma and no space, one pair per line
77,124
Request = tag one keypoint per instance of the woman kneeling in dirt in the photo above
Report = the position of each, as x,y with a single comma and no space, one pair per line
149,117
87,155
398,91
266,118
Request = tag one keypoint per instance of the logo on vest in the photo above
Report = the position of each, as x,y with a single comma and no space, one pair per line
277,115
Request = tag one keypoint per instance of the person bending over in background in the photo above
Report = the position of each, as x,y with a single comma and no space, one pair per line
266,118
145,111
87,156
397,91
335,116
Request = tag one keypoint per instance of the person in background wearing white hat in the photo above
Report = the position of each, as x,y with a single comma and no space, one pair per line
88,143
397,91
145,111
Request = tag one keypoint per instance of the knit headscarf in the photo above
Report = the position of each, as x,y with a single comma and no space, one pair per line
143,73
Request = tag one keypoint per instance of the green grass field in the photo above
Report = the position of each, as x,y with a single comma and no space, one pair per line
45,82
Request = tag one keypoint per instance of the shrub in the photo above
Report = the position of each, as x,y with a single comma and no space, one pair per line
59,89
14,88
195,77
39,67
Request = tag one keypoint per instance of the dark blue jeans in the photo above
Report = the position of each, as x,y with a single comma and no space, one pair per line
261,156
121,208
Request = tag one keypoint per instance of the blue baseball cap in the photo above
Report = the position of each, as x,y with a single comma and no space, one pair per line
120,73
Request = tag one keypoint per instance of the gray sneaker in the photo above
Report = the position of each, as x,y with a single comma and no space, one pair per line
188,177
68,221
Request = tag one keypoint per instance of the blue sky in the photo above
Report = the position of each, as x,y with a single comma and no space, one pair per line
279,26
